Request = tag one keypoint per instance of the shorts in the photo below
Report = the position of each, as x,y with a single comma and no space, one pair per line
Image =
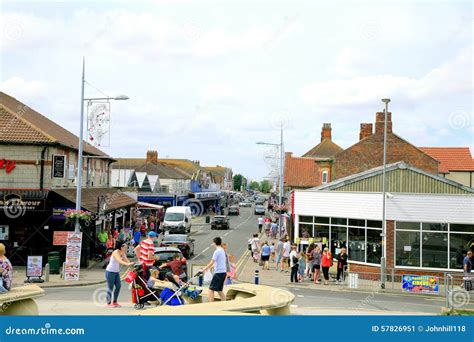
278,258
217,282
316,267
265,257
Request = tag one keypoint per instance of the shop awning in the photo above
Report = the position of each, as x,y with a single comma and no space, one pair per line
111,199
149,205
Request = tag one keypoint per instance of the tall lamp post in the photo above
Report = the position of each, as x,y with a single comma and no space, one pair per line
383,260
280,145
81,142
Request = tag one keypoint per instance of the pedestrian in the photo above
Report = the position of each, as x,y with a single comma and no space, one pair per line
219,261
145,251
102,237
309,260
274,229
341,265
285,261
176,266
121,235
112,273
326,264
266,250
6,271
316,264
255,247
260,224
294,263
110,243
467,268
272,251
136,236
301,266
279,254
231,275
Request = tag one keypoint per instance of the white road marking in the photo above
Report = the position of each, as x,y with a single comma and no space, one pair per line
300,296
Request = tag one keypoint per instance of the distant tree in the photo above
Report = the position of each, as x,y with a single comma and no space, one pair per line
239,182
265,186
255,186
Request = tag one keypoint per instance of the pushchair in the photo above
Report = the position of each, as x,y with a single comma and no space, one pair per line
138,277
174,297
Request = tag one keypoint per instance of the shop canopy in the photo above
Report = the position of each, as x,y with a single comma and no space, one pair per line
148,205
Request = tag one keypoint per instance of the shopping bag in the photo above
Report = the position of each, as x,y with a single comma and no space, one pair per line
207,277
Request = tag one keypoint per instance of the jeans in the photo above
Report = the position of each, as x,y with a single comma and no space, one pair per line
2,288
294,274
326,273
113,279
340,274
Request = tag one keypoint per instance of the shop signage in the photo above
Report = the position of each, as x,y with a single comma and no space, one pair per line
60,238
59,213
7,165
73,256
34,266
420,284
59,166
15,203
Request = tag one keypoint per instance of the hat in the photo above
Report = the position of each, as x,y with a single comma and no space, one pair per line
151,234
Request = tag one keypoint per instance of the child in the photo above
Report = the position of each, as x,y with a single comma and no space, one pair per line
272,251
153,279
301,266
231,274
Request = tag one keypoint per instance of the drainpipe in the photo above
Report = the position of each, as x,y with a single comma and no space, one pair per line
43,151
108,173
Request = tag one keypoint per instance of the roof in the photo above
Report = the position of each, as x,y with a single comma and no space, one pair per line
361,176
325,149
190,168
162,170
301,172
22,125
451,158
216,170
90,198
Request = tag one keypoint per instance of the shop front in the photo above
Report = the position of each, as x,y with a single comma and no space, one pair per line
209,200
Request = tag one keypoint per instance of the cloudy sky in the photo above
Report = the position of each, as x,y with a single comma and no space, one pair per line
208,79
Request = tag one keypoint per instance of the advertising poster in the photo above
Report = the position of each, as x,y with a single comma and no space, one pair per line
73,256
60,238
34,266
423,284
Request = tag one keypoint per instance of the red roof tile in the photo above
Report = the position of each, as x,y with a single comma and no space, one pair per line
301,172
451,158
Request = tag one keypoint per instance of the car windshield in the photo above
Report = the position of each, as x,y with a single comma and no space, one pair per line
166,255
259,207
219,219
174,217
174,238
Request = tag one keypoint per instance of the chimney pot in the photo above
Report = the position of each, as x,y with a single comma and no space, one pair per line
380,122
366,130
152,157
326,131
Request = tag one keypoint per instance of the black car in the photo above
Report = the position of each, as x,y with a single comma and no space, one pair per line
166,254
234,210
220,222
181,241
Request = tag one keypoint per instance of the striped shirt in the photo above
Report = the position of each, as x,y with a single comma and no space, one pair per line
147,249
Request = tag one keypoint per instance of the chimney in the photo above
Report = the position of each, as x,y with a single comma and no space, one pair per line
288,155
365,130
326,131
379,122
152,157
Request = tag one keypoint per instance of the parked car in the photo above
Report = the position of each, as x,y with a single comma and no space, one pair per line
166,254
259,210
220,222
260,201
233,210
245,204
181,241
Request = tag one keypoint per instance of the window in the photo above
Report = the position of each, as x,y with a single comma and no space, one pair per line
321,234
442,227
357,244
469,228
338,239
408,249
434,250
459,244
357,222
339,221
306,219
321,220
306,231
374,246
374,224
324,177
408,225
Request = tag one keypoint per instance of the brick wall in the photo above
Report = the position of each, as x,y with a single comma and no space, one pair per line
368,153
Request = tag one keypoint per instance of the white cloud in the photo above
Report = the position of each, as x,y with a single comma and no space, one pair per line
26,91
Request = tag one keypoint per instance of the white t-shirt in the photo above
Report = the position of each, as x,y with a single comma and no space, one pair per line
255,244
260,220
219,258
293,254
286,249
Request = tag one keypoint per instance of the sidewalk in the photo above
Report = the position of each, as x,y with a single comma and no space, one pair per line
93,275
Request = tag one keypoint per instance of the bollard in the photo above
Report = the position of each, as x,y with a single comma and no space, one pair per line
257,277
201,280
46,272
63,269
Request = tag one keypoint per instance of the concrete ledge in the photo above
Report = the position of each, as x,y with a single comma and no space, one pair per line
20,301
242,299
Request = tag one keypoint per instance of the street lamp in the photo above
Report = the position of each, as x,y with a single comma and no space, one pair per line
81,137
383,261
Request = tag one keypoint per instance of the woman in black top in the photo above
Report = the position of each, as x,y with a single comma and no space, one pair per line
341,264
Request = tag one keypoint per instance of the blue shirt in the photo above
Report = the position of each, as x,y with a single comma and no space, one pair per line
266,250
136,237
468,262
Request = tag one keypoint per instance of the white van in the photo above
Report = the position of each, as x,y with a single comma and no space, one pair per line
177,220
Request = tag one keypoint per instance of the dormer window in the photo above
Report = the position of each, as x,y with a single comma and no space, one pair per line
324,177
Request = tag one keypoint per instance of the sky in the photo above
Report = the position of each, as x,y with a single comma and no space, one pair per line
209,79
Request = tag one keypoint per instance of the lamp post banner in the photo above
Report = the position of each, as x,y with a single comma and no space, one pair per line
98,123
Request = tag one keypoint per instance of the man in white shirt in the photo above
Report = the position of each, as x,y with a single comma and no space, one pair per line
219,262
286,256
260,224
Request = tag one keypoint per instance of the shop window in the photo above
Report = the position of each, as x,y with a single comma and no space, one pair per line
434,248
306,219
338,239
468,228
459,245
374,246
357,244
321,234
408,225
321,220
306,231
357,222
339,221
374,224
440,227
408,249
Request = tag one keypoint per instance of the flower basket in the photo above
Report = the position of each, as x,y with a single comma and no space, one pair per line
72,215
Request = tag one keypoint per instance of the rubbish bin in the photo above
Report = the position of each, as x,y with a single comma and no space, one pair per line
208,219
53,261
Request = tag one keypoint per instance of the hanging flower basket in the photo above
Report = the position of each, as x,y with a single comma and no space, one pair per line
72,215
280,209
